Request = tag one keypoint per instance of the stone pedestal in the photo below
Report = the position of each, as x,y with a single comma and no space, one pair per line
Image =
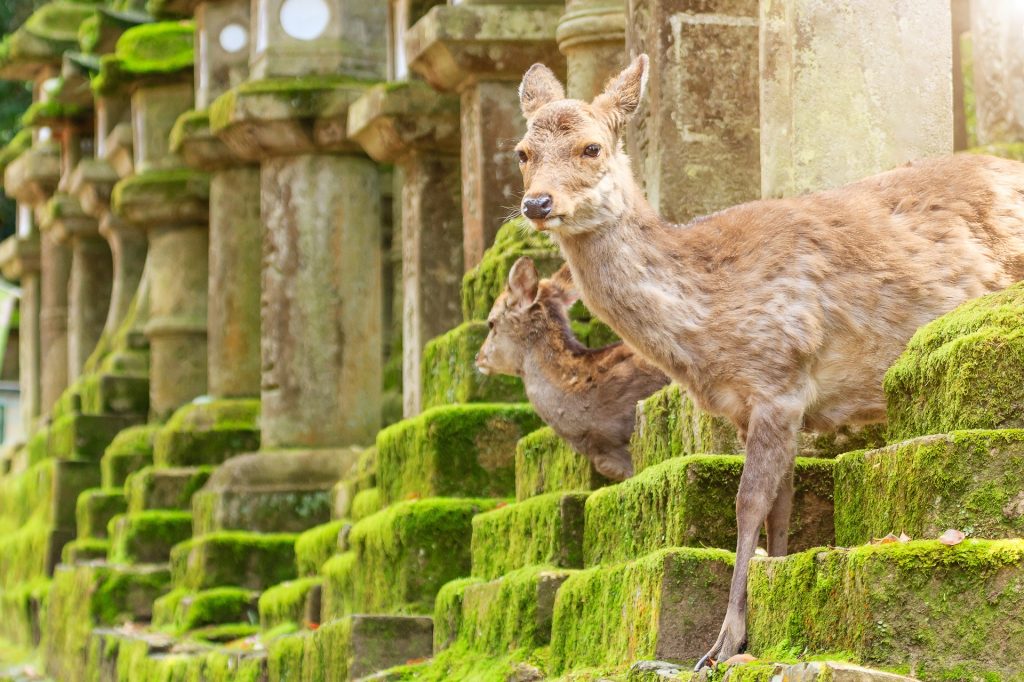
418,129
481,51
694,141
19,261
592,35
832,109
997,35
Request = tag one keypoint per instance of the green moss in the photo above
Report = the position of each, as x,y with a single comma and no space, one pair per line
691,501
448,612
45,35
216,606
21,612
84,436
43,113
208,433
513,612
18,145
252,560
545,530
405,553
319,544
152,488
461,450
89,33
482,285
147,536
95,508
449,375
188,125
162,185
946,612
962,370
130,451
970,480
609,616
338,595
286,603
366,503
545,464
84,549
148,50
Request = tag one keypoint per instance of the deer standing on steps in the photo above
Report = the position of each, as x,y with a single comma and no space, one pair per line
777,314
588,396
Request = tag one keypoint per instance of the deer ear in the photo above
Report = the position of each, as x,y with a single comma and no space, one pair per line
522,282
539,87
623,94
564,287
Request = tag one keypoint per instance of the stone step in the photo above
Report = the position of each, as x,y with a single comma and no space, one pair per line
349,648
366,503
318,544
294,601
181,610
148,536
130,451
208,433
85,436
153,488
362,476
97,594
95,508
401,557
449,374
46,492
758,671
546,464
961,371
546,530
22,612
84,549
968,480
116,393
935,611
454,451
667,605
116,655
31,553
691,501
234,558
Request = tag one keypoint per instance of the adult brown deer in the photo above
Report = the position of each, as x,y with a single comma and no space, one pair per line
587,395
777,314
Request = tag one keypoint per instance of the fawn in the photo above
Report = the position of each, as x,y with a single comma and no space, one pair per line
588,396
777,314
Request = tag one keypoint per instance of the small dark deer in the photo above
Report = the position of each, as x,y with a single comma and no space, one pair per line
588,396
778,314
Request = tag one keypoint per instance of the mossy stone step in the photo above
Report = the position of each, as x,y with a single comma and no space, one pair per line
934,611
362,476
455,451
30,553
350,648
293,601
90,595
667,605
152,488
234,558
543,531
401,557
181,610
763,671
21,613
116,393
131,450
208,433
509,613
450,376
95,508
546,464
46,492
969,480
961,371
84,549
318,544
140,657
691,502
366,503
86,436
148,536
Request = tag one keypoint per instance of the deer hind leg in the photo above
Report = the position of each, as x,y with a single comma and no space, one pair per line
614,464
771,449
777,523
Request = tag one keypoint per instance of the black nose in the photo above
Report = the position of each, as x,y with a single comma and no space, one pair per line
537,207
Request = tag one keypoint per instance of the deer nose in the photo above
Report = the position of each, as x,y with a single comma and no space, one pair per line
537,207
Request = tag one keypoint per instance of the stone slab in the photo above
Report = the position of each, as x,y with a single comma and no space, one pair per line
545,464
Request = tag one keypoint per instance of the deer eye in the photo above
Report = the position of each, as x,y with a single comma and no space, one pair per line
523,158
592,150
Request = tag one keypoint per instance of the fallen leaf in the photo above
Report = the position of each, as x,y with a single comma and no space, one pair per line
887,540
739,659
415,661
760,551
904,537
500,505
312,626
952,537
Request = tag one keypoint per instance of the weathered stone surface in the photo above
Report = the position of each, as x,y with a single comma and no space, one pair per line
998,63
825,120
251,560
95,508
449,375
511,612
85,436
666,605
53,320
164,488
691,501
182,611
19,261
131,450
694,140
877,601
592,34
208,433
545,464
147,536
220,66
543,531
461,450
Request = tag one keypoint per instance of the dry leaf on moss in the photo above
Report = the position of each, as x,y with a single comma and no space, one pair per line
952,537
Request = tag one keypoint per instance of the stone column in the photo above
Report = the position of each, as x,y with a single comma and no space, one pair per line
832,110
480,51
997,36
694,142
19,262
321,274
592,36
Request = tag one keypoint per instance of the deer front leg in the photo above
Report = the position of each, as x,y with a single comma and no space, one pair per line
771,449
777,523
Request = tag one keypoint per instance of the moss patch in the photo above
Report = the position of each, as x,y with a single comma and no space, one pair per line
937,612
450,375
84,549
217,606
319,544
148,536
208,433
251,560
366,503
543,531
461,450
95,508
545,464
148,50
130,451
286,603
152,488
961,371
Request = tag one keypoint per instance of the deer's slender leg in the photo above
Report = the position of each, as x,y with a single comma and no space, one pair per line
777,523
771,448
